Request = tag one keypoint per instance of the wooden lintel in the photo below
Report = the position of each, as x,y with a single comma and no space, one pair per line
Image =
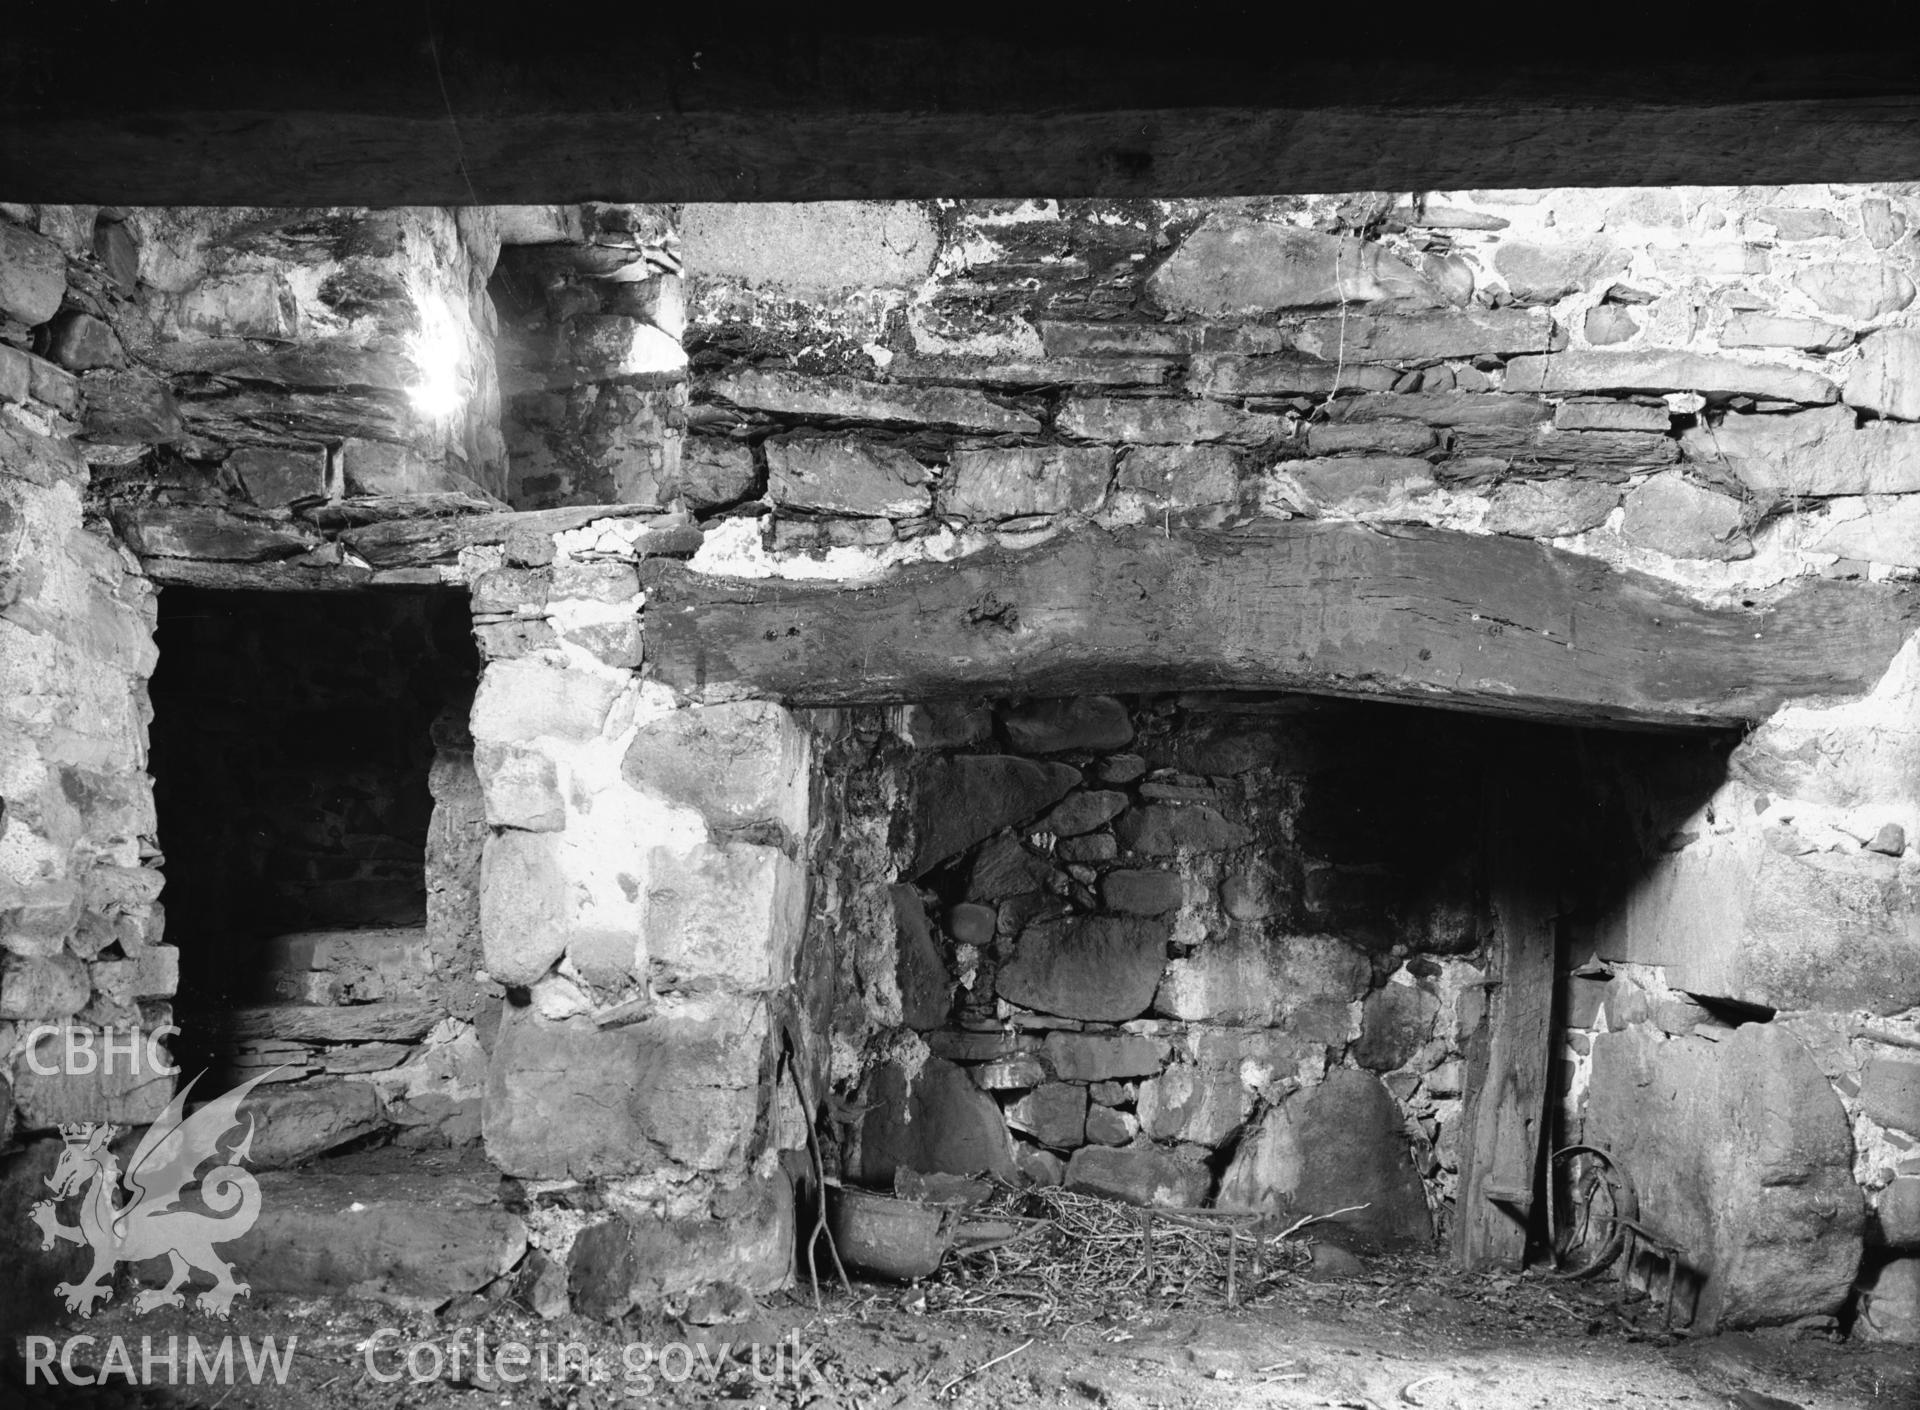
1427,615
483,102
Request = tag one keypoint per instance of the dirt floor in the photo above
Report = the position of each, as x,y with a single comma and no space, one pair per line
1387,1335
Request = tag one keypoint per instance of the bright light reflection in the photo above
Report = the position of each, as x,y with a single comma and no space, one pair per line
439,355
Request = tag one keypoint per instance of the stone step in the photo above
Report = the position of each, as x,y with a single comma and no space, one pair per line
385,1224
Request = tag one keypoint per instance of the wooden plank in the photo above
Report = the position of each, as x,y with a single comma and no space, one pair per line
1428,615
1504,1120
472,103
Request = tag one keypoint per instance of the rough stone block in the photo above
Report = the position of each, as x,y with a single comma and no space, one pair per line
374,1226
247,304
1054,1114
1005,867
1089,847
1354,484
1886,379
725,914
33,275
1811,453
520,701
1338,1144
1185,477
1251,894
1897,1215
961,800
1765,330
635,1260
129,408
1169,829
680,1091
1164,421
1094,967
54,386
1204,1105
42,987
514,638
1010,1074
523,906
1231,376
1037,372
1730,917
1888,532
1890,1091
296,1121
1543,274
926,988
1097,1057
611,583
1741,1154
845,475
1097,722
1855,289
1144,1175
1446,409
610,960
815,247
852,399
1107,1127
1671,514
1890,1304
972,924
512,589
1010,482
129,1095
1142,893
1546,509
1396,1020
277,476
932,1121
1665,371
622,645
713,472
1428,337
521,787
744,762
1369,438
1230,267
1250,977
80,342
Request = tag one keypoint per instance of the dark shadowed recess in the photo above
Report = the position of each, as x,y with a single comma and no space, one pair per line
291,741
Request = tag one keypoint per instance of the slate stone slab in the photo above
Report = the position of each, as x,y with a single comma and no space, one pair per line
1104,968
961,800
1338,1144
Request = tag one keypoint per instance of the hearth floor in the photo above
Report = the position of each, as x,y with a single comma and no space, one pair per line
1409,1332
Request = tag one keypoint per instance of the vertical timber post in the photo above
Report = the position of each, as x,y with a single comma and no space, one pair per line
1509,1060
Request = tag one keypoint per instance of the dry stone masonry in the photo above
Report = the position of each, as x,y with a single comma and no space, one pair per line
667,875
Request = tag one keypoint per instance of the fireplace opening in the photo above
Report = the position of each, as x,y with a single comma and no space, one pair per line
306,749
1244,950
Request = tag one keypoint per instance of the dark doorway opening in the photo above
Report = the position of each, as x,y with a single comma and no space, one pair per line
291,744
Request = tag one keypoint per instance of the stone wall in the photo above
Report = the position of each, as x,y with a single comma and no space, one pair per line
641,898
1785,901
1158,948
82,949
1713,386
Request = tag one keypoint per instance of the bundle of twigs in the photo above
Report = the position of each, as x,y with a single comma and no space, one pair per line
1048,1251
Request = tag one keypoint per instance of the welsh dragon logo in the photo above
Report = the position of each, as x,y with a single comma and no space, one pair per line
152,1222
